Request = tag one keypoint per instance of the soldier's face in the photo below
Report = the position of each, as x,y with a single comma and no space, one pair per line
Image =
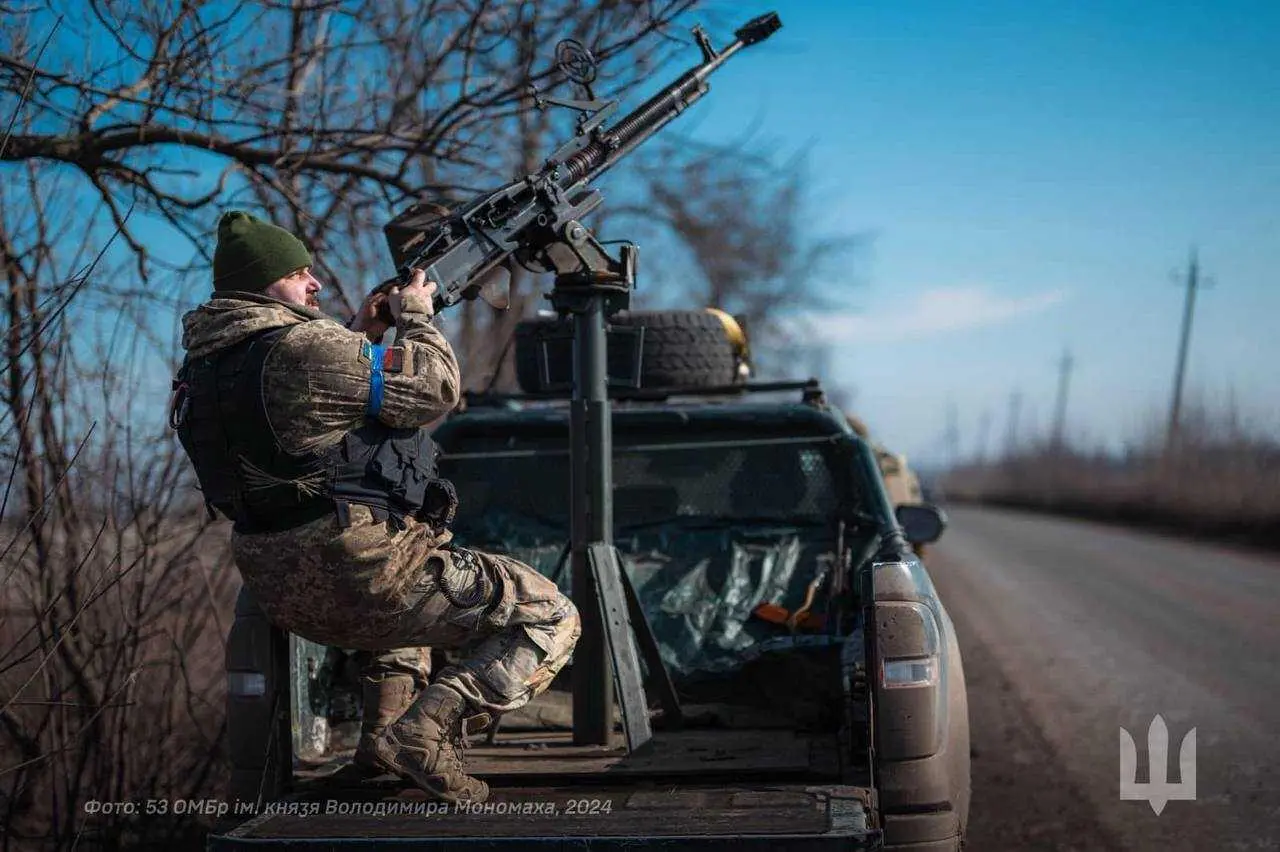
299,287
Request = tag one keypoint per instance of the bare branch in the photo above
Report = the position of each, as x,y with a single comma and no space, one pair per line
26,88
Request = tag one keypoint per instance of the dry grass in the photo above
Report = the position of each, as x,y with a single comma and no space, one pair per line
111,686
1219,480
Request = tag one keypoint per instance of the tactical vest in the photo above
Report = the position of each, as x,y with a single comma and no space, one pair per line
219,414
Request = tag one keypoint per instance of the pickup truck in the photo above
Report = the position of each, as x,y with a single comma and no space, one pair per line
821,692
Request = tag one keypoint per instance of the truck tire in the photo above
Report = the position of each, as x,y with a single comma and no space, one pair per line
685,349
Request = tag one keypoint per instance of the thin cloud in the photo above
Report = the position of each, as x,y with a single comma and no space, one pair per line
941,310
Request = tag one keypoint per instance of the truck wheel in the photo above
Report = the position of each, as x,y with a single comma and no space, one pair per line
688,349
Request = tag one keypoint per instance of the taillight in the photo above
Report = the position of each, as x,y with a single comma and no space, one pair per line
908,641
910,707
919,671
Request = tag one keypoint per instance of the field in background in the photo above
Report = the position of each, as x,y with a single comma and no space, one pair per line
1218,480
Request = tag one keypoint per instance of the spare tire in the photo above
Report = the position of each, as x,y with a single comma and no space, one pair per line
682,349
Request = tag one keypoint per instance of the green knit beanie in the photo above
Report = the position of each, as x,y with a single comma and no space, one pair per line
251,254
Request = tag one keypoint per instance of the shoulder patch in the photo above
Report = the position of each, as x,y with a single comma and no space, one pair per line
390,359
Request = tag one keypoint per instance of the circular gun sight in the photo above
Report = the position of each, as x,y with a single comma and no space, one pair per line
577,63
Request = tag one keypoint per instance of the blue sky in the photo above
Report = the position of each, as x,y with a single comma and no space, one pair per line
1032,174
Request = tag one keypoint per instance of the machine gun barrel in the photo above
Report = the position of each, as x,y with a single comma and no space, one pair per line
458,250
617,141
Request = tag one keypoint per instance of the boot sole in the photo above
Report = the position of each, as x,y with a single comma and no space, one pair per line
371,764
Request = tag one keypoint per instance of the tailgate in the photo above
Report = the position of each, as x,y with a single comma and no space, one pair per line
746,816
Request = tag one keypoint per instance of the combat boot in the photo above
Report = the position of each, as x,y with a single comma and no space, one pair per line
425,744
385,700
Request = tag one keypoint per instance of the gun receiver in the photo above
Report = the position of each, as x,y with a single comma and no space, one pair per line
525,218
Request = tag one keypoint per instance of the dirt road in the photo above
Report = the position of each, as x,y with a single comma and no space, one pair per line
1070,630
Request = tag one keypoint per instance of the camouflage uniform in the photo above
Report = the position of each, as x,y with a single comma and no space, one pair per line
389,683
378,584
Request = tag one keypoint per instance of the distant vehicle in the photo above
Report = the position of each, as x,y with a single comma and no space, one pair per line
821,691
902,483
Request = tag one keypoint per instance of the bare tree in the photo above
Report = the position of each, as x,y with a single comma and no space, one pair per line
133,126
741,220
109,683
326,114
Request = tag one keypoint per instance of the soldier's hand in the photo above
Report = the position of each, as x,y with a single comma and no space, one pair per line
373,318
418,285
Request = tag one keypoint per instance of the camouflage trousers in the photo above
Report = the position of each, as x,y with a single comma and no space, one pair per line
396,662
388,588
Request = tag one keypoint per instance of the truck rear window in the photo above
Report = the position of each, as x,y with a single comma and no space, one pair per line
784,480
710,524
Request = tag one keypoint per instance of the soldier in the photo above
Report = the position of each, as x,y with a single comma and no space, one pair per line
316,443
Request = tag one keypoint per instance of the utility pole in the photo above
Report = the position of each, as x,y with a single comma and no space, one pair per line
1064,380
984,431
952,437
1192,283
1011,435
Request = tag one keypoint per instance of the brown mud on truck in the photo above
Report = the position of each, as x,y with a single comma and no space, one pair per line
804,684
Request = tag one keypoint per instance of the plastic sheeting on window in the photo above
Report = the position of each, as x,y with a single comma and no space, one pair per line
698,587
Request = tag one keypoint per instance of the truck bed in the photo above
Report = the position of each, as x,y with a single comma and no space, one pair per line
552,755
733,816
729,789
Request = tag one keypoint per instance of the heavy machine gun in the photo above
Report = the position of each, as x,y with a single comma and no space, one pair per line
534,219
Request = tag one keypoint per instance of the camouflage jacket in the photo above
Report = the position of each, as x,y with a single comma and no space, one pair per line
316,381
341,586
